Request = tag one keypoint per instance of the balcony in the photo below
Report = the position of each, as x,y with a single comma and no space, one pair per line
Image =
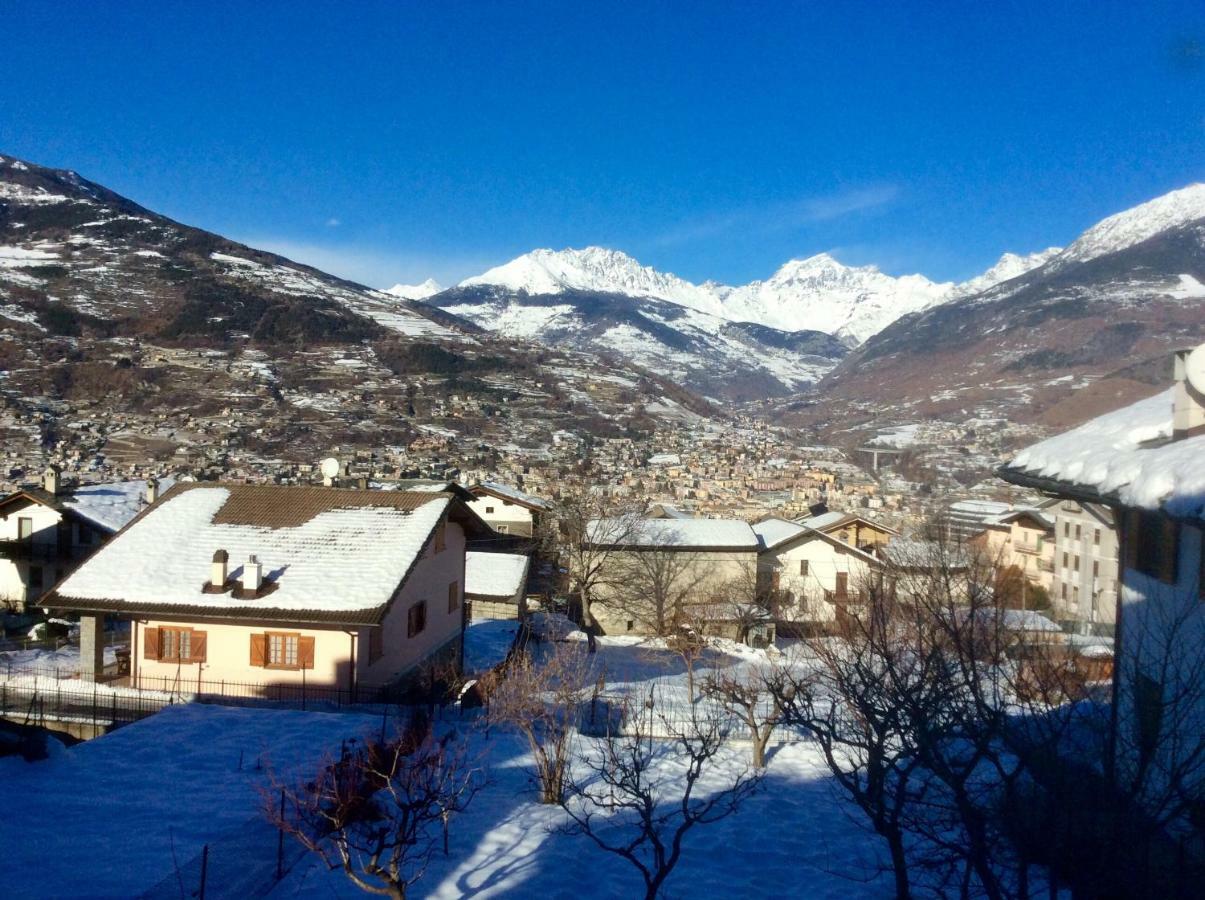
24,548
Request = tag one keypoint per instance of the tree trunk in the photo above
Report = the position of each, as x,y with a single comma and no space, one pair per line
899,864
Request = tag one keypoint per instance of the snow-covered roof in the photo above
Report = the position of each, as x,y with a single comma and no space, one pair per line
325,552
916,553
494,574
112,505
772,532
1014,619
1127,454
824,520
728,534
980,508
1026,511
510,493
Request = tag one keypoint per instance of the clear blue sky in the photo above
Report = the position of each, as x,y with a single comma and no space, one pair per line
393,141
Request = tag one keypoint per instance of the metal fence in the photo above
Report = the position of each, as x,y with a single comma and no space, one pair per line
46,701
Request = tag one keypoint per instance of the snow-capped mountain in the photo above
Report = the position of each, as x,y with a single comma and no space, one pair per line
1007,267
428,288
851,302
815,294
597,269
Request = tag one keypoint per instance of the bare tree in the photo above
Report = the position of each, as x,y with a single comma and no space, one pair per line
544,700
657,583
591,530
377,812
639,795
754,697
744,600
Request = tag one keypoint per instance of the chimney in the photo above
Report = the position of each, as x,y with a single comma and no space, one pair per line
217,570
51,480
253,574
1188,404
152,490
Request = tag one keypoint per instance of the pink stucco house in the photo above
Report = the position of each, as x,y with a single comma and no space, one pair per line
282,586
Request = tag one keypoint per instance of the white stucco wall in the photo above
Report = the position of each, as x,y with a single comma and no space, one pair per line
496,512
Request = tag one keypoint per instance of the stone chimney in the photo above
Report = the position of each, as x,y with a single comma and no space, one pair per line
152,490
1188,404
253,576
52,480
217,569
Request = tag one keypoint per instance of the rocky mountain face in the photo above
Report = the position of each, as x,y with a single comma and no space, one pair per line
151,336
715,357
1087,330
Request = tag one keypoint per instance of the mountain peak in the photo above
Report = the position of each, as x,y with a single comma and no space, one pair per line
420,291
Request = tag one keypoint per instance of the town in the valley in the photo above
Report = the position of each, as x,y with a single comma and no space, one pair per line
350,546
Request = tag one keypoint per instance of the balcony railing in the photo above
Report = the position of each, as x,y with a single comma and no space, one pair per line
24,548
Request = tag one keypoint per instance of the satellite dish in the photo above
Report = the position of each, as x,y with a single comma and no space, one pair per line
329,467
1194,369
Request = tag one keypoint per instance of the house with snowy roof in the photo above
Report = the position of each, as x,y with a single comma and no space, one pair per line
810,575
495,585
1022,540
506,509
49,529
272,585
662,574
1146,463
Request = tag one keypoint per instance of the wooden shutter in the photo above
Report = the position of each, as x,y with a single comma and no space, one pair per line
259,649
150,643
305,652
197,644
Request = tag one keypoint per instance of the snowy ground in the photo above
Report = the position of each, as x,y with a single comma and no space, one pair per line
64,661
487,642
102,819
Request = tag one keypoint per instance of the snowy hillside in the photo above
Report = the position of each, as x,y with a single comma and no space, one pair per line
1136,225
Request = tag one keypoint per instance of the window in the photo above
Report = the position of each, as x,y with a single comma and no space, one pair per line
441,537
1066,529
502,529
1095,568
1078,533
1066,558
1076,561
1063,591
1075,594
24,528
803,567
35,578
488,510
416,618
453,596
1096,537
1152,544
177,644
282,650
376,644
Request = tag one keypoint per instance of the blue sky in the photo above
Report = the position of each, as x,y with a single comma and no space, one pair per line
394,141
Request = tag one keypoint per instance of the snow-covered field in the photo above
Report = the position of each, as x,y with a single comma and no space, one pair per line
104,818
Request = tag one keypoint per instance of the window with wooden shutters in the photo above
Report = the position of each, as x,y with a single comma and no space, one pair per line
453,596
175,644
282,650
441,537
416,618
803,567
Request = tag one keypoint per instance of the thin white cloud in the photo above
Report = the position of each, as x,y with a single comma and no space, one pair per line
332,222
776,217
372,266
